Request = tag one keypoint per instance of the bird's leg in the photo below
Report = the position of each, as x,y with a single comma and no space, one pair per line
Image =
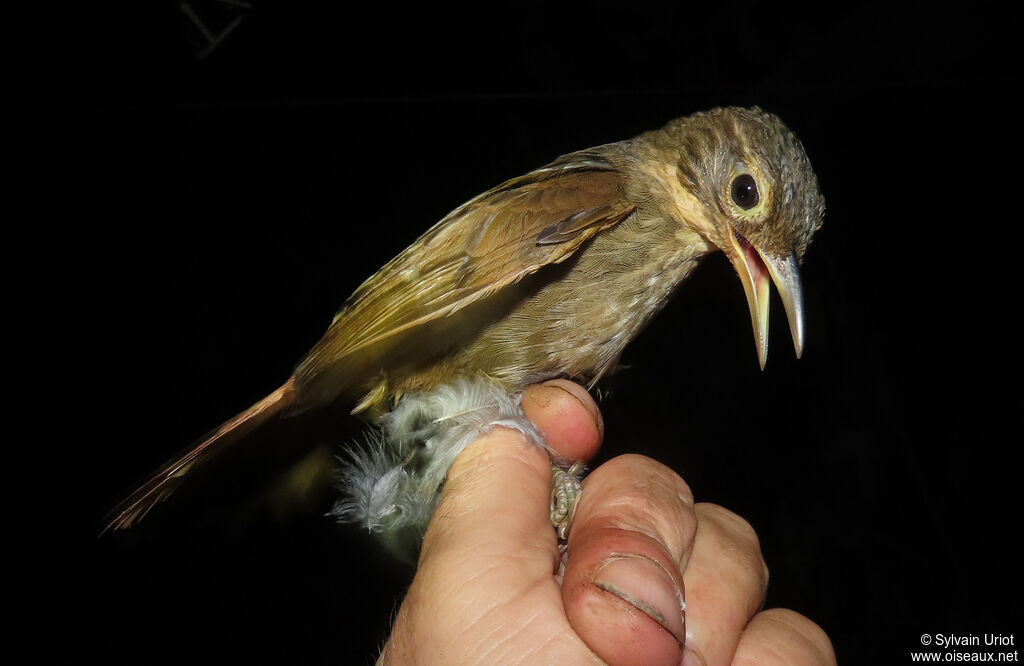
565,494
392,486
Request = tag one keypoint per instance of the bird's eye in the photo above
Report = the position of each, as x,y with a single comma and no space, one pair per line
744,191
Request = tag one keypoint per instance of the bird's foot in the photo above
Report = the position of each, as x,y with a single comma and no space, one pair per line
565,494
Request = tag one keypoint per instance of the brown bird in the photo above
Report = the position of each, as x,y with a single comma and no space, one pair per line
550,274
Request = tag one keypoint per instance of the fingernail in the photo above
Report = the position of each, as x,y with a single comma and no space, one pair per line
644,584
581,395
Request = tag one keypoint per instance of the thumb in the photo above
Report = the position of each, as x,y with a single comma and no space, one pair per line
485,568
496,497
488,556
494,502
631,539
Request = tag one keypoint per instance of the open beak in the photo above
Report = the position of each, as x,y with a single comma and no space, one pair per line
755,268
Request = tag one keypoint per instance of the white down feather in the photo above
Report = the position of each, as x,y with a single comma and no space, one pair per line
393,483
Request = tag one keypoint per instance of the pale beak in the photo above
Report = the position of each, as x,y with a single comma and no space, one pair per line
756,269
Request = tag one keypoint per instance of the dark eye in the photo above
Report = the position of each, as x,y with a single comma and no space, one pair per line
744,191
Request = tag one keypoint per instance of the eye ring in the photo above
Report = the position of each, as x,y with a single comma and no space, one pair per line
743,191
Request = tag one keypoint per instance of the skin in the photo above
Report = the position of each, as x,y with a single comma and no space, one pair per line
498,591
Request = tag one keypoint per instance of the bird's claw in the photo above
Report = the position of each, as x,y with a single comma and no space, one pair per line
565,495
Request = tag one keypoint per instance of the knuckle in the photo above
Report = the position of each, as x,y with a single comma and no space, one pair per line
801,632
736,536
636,494
650,475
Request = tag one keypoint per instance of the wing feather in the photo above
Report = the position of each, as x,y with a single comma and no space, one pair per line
490,242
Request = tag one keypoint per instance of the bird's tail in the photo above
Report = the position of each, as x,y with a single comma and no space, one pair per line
165,480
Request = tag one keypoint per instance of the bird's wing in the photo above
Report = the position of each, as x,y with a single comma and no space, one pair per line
490,242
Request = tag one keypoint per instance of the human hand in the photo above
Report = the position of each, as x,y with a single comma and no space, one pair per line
488,587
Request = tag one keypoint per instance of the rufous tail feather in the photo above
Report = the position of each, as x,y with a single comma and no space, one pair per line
165,480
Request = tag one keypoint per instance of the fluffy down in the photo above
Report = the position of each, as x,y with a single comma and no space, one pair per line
392,484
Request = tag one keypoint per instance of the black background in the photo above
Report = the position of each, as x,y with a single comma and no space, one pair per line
188,226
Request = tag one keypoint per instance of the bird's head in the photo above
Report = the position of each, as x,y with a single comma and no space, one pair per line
745,184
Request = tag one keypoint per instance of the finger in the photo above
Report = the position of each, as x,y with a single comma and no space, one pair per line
780,637
622,589
489,532
496,496
568,417
502,466
481,484
726,579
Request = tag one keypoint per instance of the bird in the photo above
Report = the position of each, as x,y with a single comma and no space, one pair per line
549,274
